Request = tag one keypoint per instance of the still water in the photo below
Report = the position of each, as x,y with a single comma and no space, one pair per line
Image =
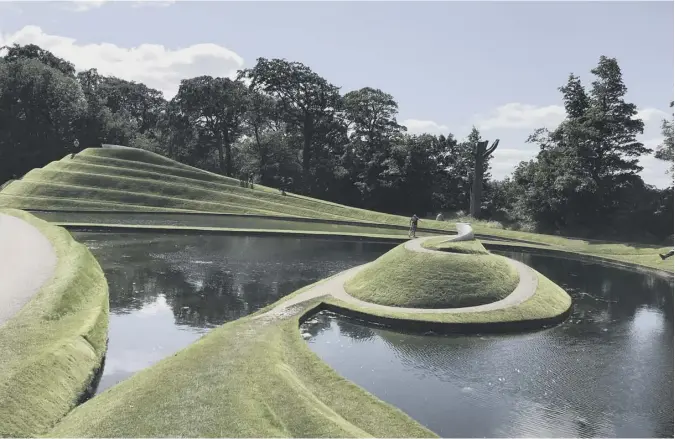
607,371
166,291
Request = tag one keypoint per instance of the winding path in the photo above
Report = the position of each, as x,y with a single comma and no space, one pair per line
27,261
334,287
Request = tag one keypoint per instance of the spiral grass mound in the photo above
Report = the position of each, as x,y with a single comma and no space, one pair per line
404,278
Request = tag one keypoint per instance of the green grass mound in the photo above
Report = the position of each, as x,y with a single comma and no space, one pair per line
473,247
412,279
248,378
53,345
549,302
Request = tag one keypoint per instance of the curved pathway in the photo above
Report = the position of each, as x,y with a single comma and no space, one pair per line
27,261
334,287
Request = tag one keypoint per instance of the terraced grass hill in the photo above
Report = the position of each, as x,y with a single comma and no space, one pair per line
136,180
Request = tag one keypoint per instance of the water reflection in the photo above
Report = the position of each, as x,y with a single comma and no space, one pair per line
607,371
167,291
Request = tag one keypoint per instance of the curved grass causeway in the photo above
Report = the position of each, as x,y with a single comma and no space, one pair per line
55,338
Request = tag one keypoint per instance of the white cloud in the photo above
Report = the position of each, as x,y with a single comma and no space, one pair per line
651,115
518,115
83,5
655,171
153,64
416,126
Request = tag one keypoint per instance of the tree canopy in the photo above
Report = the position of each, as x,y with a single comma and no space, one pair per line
282,124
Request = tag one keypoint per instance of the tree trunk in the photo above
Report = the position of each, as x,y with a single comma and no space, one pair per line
308,131
221,158
476,187
228,155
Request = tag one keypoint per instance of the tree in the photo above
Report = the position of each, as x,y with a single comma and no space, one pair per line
216,106
590,156
31,51
614,151
371,116
141,103
40,107
306,98
102,124
665,149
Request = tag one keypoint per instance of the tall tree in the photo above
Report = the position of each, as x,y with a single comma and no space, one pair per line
40,107
101,123
216,106
306,98
371,118
613,151
665,149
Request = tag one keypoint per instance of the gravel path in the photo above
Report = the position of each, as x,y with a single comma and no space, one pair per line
27,261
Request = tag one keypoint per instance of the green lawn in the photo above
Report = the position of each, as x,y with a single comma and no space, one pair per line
406,278
248,378
51,348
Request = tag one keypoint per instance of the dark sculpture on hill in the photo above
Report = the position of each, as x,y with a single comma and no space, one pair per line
480,154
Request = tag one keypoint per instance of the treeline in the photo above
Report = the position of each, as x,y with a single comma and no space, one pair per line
283,125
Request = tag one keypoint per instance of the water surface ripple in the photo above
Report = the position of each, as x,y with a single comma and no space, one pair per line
605,372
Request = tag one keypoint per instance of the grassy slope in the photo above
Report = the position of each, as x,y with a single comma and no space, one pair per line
248,378
87,179
405,278
548,301
52,347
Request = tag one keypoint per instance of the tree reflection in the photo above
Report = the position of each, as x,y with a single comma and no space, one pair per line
208,280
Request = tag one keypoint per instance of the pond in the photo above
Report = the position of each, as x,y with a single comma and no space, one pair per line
166,291
607,371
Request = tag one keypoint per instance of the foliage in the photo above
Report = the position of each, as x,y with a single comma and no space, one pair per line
281,124
584,179
665,150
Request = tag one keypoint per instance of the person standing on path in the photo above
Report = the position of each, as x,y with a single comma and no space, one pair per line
74,149
413,226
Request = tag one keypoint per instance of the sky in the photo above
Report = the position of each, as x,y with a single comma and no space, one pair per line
449,65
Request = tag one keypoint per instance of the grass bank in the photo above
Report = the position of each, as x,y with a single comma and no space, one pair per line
412,279
53,345
248,378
